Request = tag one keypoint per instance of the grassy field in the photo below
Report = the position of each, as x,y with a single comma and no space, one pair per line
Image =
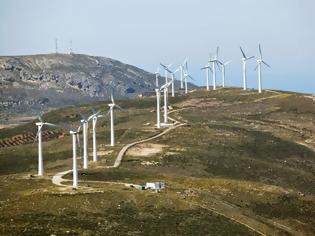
243,165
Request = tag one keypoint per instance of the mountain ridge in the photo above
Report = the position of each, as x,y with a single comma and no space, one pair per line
30,83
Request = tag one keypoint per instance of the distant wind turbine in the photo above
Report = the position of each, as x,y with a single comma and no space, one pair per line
244,59
207,68
84,124
165,91
40,126
157,74
94,117
214,61
259,62
75,140
223,64
111,111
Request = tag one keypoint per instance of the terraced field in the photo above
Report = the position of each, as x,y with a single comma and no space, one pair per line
242,163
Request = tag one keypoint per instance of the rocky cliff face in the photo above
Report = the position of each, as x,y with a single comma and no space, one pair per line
29,83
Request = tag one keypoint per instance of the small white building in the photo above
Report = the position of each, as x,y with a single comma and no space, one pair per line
155,186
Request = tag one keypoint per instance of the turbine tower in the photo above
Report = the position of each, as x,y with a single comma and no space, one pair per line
259,62
75,140
157,74
214,61
111,111
84,123
186,77
165,91
56,45
40,126
158,95
94,117
208,69
223,65
184,65
244,59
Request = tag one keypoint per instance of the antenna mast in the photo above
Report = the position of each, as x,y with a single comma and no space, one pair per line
56,45
71,52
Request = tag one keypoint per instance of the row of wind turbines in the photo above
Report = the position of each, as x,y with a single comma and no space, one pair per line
211,66
74,132
214,61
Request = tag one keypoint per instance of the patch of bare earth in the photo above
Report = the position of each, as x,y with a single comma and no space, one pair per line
146,149
200,102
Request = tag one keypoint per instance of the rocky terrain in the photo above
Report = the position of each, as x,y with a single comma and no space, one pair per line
29,84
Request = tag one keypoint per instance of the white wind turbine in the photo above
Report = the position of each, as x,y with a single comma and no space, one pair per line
208,69
84,123
223,64
182,68
245,59
158,95
40,126
259,62
165,91
173,81
111,111
94,118
75,140
186,77
167,70
214,61
157,74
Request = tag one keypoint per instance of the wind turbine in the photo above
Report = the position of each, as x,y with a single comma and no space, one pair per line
158,96
244,59
207,68
259,62
157,74
223,64
173,81
40,126
165,91
186,77
94,117
167,70
84,123
182,67
75,140
111,111
214,61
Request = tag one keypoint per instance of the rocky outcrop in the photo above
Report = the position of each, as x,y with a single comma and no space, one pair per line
30,83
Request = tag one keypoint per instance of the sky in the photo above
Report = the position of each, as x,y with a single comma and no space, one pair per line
146,32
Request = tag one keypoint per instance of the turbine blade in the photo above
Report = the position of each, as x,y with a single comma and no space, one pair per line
243,52
218,64
191,78
228,62
112,98
260,51
266,64
256,66
50,124
40,118
119,107
217,52
250,58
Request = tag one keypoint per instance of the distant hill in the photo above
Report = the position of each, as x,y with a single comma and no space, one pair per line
31,83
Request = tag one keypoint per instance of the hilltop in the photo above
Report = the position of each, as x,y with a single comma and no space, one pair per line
241,163
29,84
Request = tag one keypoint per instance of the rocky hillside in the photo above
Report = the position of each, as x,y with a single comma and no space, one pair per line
32,83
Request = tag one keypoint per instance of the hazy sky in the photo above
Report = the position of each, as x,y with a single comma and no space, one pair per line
146,32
